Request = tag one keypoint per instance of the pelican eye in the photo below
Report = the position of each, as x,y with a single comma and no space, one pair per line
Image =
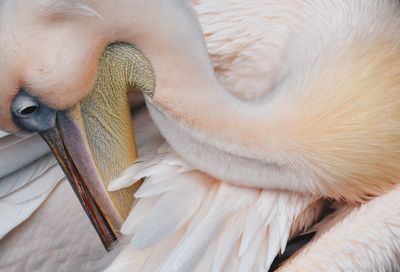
27,108
30,114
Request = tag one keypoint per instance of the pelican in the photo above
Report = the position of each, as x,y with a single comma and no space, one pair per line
267,108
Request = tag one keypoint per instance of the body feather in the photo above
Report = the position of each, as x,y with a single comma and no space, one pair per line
203,222
355,238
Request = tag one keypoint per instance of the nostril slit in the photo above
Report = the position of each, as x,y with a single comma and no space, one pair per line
29,110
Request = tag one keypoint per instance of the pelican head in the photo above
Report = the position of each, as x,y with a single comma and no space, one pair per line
87,125
324,122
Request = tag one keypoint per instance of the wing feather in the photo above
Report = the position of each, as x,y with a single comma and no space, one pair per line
33,184
19,179
14,155
13,215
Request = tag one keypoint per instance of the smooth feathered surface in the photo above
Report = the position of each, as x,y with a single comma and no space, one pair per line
23,190
17,152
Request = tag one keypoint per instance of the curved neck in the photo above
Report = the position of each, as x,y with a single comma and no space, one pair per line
170,36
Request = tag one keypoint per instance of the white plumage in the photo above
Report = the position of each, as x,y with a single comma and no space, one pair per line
17,152
200,223
32,186
308,102
24,190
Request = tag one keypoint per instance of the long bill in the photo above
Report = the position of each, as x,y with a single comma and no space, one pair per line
94,141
